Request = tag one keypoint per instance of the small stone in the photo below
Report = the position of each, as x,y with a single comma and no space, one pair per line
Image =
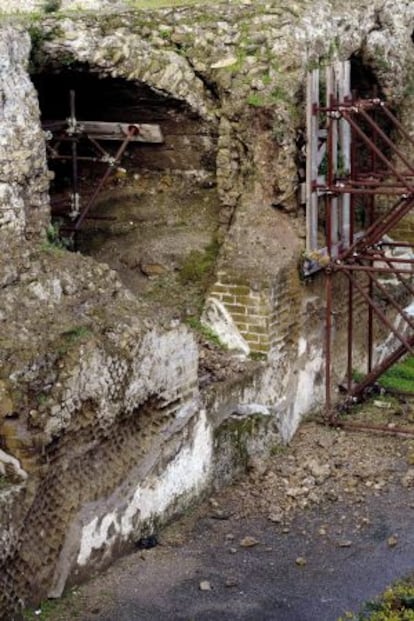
346,543
219,514
248,542
205,585
319,471
294,492
285,531
232,550
392,541
301,561
322,531
152,269
224,62
231,582
383,405
277,518
408,479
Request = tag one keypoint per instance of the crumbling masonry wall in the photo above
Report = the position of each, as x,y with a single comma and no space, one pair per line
87,375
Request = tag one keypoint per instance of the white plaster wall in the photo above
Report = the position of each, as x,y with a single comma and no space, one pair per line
185,476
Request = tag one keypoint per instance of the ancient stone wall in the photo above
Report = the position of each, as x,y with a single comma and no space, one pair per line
104,430
24,180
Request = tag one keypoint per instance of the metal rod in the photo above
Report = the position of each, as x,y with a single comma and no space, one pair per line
370,326
372,230
396,431
343,188
379,153
353,267
396,243
83,158
328,338
387,141
391,300
371,378
75,184
329,175
132,131
376,256
350,334
397,123
381,315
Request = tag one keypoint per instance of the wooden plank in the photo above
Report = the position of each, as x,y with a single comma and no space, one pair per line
147,132
312,100
331,94
321,153
118,131
343,71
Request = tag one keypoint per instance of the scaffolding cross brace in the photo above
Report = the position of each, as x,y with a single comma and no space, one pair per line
359,186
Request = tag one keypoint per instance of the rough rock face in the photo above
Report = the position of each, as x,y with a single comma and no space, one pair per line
24,182
88,375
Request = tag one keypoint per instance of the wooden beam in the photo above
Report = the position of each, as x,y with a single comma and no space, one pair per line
147,132
312,126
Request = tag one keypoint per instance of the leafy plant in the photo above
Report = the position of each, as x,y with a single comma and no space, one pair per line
55,240
78,332
51,6
396,604
198,267
205,332
256,100
256,355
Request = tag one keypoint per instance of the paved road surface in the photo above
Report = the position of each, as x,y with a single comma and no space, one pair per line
162,584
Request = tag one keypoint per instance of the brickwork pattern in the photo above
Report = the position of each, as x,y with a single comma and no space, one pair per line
285,316
100,463
248,308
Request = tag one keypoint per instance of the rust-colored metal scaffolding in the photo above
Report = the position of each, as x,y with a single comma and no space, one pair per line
84,142
359,186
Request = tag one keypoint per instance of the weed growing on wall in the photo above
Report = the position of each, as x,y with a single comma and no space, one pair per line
51,6
199,265
205,332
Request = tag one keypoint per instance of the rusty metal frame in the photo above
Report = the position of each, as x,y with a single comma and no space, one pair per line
72,131
360,256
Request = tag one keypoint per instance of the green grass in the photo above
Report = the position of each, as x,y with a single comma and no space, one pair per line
399,377
198,266
396,604
205,332
67,607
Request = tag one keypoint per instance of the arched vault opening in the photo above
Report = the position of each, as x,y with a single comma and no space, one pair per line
155,216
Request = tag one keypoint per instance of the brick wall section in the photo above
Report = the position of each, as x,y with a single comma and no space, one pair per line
404,231
249,309
285,315
266,318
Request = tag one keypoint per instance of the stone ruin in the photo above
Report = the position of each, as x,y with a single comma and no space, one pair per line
115,412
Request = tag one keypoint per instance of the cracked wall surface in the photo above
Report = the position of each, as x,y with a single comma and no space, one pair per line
90,373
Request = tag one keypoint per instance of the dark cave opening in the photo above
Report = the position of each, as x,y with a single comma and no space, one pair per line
364,81
159,209
188,142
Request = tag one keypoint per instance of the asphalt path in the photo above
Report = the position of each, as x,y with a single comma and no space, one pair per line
346,561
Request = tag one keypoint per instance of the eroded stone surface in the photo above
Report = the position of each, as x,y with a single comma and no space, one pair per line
89,375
